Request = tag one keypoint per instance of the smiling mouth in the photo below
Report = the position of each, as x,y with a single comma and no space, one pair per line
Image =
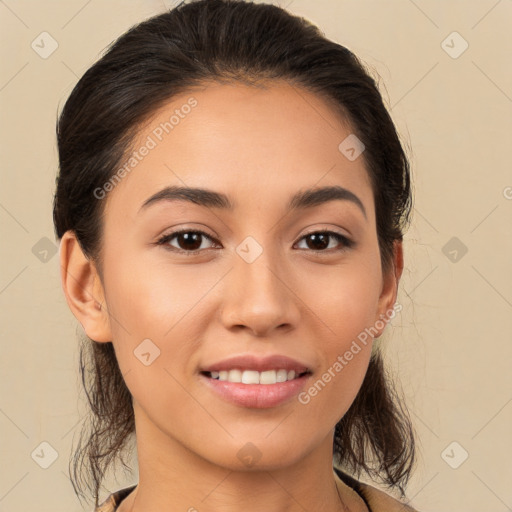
254,377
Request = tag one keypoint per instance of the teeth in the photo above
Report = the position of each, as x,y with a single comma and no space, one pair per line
254,377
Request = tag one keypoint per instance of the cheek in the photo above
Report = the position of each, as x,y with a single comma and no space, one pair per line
344,299
343,304
152,297
148,309
165,304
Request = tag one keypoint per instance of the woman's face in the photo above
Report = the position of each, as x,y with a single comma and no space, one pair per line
258,283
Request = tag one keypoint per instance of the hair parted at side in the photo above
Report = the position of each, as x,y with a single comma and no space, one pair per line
225,41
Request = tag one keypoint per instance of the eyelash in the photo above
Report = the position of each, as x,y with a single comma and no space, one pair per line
347,243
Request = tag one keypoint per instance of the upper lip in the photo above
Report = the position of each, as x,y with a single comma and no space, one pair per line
260,364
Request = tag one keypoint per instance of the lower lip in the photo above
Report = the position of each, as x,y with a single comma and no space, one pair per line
256,396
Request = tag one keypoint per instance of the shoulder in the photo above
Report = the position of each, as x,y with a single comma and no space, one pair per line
112,502
377,500
380,501
109,505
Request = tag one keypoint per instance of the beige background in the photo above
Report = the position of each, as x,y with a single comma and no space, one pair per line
451,345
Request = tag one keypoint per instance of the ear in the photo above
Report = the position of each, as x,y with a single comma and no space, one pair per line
83,289
388,295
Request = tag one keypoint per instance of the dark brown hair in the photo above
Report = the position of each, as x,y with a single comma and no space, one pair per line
193,44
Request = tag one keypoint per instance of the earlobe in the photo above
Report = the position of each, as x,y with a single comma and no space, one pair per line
389,291
83,289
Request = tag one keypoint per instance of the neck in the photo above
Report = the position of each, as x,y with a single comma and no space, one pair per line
171,477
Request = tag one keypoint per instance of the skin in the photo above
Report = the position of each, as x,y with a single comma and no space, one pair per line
259,146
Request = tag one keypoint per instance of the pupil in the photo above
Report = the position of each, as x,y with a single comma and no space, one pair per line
187,237
323,244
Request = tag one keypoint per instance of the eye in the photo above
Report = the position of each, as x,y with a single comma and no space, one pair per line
320,240
189,241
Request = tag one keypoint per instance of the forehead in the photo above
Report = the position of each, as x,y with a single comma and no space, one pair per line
247,141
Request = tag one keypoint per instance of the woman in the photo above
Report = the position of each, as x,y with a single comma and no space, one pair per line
231,203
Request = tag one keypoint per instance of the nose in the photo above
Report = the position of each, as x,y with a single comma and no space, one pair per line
260,296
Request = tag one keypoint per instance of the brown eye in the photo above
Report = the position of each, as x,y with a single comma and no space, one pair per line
187,241
319,240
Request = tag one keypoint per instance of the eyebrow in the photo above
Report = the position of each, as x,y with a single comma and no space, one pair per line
301,200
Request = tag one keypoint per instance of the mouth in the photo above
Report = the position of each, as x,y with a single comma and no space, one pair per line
251,389
252,381
249,377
